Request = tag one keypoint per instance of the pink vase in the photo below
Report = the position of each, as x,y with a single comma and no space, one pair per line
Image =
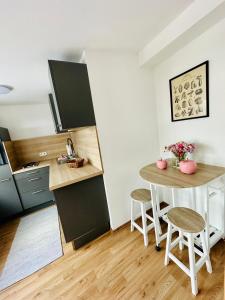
188,166
161,164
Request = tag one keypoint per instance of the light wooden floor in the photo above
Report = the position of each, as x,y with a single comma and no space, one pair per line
7,234
118,266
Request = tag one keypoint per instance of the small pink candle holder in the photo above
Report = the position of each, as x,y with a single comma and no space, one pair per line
188,166
161,164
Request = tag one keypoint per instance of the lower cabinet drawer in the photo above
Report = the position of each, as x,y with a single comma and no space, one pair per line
36,197
32,173
32,184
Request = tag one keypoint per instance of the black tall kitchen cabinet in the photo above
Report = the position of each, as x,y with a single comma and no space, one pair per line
82,206
83,210
71,102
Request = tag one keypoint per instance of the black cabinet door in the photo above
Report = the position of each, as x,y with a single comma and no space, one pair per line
4,134
83,210
9,200
71,95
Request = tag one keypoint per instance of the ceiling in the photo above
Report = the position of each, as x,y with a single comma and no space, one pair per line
31,32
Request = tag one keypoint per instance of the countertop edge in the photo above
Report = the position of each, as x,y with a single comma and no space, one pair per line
30,169
52,187
62,185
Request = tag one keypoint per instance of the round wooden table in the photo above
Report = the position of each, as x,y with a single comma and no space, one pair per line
172,178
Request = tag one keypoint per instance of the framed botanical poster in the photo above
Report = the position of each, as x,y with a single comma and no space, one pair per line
189,94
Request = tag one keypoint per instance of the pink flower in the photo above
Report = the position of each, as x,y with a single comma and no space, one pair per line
181,149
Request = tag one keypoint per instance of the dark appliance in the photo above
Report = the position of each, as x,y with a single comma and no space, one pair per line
10,204
31,164
70,101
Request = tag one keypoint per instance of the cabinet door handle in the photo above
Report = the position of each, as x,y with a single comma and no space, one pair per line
30,173
4,180
37,192
33,179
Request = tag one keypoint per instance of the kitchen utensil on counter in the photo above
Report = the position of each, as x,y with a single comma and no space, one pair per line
62,159
76,163
70,148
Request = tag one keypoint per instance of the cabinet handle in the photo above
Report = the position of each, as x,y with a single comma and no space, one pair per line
37,192
33,179
4,180
30,173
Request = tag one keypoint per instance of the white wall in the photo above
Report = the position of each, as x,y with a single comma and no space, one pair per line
207,133
126,120
26,121
189,24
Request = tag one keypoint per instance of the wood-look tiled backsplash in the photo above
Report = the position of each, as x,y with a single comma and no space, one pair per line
86,145
85,142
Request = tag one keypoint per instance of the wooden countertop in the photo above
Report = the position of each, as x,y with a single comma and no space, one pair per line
62,175
173,178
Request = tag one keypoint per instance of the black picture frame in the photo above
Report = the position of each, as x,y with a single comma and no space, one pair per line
206,91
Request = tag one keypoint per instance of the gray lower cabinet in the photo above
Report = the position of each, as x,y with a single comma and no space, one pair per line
10,204
36,197
33,183
33,187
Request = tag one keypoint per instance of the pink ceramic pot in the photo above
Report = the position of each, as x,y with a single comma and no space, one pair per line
161,164
188,166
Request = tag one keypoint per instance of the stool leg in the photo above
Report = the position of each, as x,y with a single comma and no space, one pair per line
144,224
132,215
181,246
194,284
168,243
158,211
155,216
205,251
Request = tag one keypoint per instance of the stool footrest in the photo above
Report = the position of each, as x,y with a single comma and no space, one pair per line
179,263
138,227
164,211
150,226
149,218
200,263
195,249
175,242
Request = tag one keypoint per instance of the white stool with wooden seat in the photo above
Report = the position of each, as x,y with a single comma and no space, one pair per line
189,223
143,197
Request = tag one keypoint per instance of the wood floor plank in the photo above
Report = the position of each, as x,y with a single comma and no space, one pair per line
7,234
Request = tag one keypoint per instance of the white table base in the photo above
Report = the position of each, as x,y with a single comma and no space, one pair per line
213,235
